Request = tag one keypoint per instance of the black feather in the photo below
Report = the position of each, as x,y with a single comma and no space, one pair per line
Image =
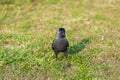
60,43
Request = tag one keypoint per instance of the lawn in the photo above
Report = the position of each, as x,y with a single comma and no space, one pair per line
28,27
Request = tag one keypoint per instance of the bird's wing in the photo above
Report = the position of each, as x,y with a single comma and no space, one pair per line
53,44
67,43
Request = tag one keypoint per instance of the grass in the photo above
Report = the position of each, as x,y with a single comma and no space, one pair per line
27,29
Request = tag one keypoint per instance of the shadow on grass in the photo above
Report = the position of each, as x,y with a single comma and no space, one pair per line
75,48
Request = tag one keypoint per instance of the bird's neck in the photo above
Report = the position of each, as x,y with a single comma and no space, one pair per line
59,37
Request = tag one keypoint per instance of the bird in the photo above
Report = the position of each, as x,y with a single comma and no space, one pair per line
60,43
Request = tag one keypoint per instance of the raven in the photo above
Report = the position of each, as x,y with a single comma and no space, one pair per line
60,43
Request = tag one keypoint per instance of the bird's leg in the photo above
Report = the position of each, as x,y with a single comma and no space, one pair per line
66,54
56,56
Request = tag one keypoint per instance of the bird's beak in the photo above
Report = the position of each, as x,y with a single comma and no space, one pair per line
63,34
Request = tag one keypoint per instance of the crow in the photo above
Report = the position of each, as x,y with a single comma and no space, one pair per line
60,43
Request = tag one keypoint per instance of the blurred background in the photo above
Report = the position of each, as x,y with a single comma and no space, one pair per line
27,28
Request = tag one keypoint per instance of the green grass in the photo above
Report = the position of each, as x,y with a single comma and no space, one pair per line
28,27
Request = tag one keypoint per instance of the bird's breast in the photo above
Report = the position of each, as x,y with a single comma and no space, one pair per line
61,44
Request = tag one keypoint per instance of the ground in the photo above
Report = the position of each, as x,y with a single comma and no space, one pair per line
27,28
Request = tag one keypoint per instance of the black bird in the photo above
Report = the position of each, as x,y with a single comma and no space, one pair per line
60,43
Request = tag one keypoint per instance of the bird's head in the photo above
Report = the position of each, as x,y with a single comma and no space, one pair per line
60,33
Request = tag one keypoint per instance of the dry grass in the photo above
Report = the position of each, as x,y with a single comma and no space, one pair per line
27,29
